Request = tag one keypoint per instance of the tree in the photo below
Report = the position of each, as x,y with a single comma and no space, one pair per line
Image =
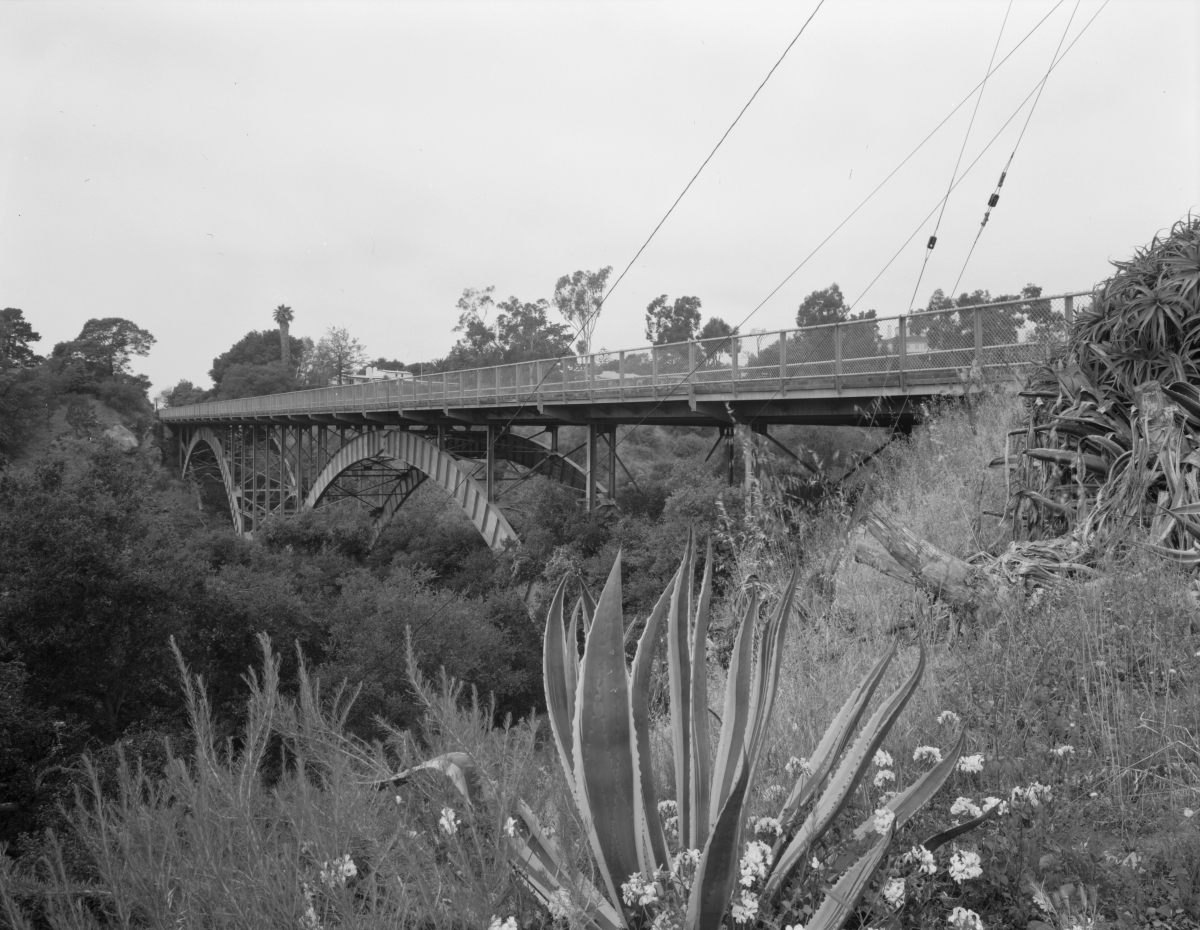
677,322
387,364
476,347
821,307
182,394
716,328
579,297
105,346
15,336
257,348
524,332
337,356
956,330
283,316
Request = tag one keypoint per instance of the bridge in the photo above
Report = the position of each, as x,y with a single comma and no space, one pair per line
372,444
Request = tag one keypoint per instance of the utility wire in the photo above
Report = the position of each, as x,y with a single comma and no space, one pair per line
587,319
1036,90
725,343
995,198
978,100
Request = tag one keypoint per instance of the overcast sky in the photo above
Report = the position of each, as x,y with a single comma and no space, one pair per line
191,166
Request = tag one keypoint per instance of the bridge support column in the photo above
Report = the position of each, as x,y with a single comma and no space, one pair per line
727,439
612,463
593,462
491,461
553,431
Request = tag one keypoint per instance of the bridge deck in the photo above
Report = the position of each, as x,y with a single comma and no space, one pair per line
858,372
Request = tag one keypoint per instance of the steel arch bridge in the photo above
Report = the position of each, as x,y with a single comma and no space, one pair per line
284,468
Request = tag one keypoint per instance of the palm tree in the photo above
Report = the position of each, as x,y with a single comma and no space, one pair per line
283,316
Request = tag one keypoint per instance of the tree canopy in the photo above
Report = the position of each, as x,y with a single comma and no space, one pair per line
668,322
15,336
255,348
579,297
105,346
522,331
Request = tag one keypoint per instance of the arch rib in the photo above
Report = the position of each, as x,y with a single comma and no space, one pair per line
426,458
205,434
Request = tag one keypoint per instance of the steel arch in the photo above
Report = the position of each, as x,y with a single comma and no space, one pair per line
205,434
430,461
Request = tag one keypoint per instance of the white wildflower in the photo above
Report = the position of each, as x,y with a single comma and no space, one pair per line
755,862
796,764
1188,812
509,923
927,754
768,825
639,891
667,808
794,927
685,858
989,803
883,776
893,892
883,759
560,905
339,871
922,858
883,819
448,822
971,765
962,918
965,806
745,908
1033,795
1065,750
510,826
948,716
816,864
964,866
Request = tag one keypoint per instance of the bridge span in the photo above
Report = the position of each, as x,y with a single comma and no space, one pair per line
375,442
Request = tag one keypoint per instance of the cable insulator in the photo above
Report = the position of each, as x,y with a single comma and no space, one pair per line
993,200
985,219
932,242
1003,175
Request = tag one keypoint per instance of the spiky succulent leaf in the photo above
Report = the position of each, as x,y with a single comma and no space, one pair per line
918,794
558,686
843,897
608,788
736,715
701,768
941,839
717,873
679,681
844,781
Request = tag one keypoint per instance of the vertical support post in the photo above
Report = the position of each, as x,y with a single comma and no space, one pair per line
902,340
727,435
591,376
837,357
621,372
253,478
553,438
783,363
441,438
491,462
612,464
1069,308
654,370
747,462
592,463
979,338
733,377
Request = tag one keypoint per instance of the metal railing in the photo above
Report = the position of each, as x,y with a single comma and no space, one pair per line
894,354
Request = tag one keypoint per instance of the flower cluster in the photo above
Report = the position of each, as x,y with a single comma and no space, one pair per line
1064,750
639,891
989,803
339,871
893,893
927,754
883,776
745,908
685,859
922,858
448,822
971,765
1035,794
755,862
883,759
948,716
510,826
509,923
883,819
962,918
668,811
964,866
965,806
796,764
768,825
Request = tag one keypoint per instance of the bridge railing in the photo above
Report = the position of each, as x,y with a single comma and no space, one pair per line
987,342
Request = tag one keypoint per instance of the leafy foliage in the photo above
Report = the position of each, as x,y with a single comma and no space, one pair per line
579,298
668,322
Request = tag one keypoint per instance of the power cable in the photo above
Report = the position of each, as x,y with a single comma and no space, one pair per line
938,225
995,197
725,343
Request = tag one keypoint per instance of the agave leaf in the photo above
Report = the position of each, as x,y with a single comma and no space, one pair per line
941,839
842,783
1186,558
717,872
766,672
542,868
736,714
556,679
840,729
1092,463
701,773
639,691
589,606
458,767
917,795
680,685
608,787
843,897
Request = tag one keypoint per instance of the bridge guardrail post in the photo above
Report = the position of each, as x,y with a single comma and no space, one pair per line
837,357
621,375
654,371
1069,308
734,346
902,348
979,339
591,376
783,363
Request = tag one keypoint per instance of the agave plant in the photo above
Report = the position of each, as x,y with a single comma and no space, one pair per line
598,707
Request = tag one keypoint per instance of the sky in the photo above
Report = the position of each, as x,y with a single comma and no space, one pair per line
190,166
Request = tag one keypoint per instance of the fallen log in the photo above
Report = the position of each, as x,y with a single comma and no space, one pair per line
924,565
